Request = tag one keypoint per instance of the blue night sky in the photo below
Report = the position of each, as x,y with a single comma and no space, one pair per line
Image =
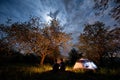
73,14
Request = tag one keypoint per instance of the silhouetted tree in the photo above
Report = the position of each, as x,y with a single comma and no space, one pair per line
102,5
97,41
113,48
74,55
4,48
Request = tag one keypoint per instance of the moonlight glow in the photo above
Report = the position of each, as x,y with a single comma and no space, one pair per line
48,18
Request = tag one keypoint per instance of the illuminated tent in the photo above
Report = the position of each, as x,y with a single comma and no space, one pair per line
84,64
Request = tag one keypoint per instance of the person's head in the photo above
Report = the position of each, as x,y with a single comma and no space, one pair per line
61,60
55,61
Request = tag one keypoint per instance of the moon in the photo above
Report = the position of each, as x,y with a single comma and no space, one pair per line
48,18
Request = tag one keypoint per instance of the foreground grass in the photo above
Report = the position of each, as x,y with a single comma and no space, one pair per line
36,72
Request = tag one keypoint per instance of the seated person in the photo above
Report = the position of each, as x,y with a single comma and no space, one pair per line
55,66
62,65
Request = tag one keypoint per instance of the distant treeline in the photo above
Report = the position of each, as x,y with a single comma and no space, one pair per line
17,58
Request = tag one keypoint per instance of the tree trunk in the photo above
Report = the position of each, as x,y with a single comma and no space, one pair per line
42,60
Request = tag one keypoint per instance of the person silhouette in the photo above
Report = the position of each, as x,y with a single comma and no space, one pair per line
55,66
62,65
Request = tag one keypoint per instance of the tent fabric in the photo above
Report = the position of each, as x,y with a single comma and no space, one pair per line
84,64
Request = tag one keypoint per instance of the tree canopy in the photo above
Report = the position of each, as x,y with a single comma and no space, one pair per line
102,5
98,41
34,37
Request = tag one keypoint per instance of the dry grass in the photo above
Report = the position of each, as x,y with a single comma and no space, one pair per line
36,72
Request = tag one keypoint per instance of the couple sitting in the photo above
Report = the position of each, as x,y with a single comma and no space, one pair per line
60,66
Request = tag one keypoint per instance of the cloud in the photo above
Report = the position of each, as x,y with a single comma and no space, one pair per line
71,13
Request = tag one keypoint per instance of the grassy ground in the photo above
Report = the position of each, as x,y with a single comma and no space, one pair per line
36,72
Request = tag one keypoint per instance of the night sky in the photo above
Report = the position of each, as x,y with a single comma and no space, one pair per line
73,14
